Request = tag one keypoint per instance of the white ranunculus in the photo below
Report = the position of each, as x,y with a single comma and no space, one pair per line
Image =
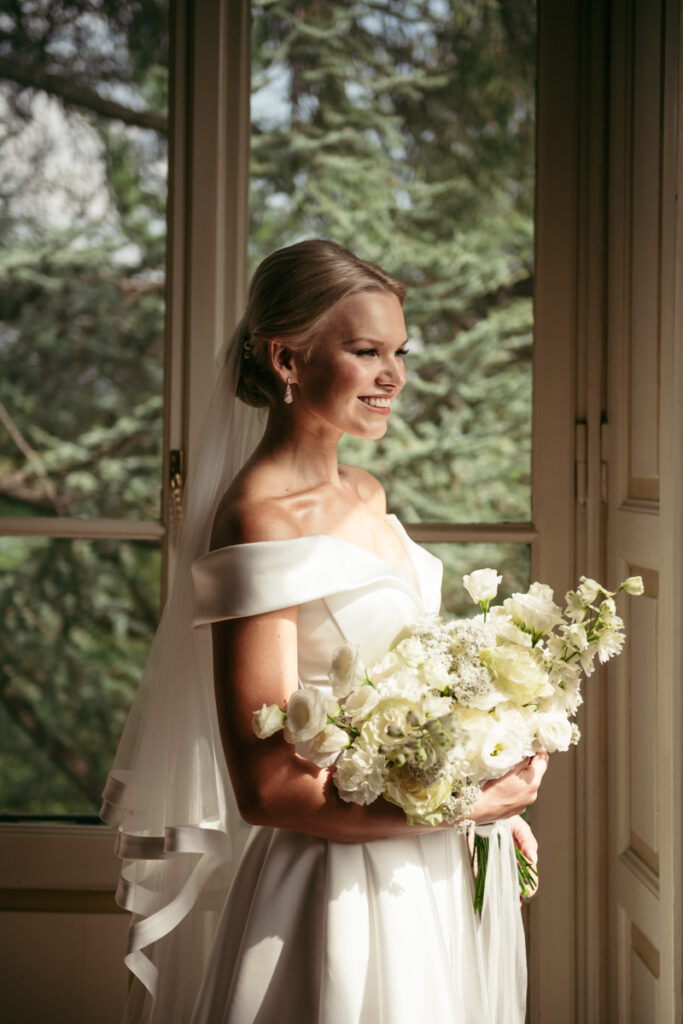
267,720
346,670
535,611
482,585
360,702
633,585
306,714
553,731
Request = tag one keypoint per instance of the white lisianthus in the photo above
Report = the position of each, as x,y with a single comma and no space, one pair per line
268,720
346,670
504,746
553,731
482,586
633,585
517,671
506,628
361,701
534,611
326,745
307,711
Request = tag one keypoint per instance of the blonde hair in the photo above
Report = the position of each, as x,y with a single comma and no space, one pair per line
291,295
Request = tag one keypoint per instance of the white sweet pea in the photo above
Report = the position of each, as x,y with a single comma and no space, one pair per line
482,586
307,711
589,590
534,611
633,585
267,720
346,670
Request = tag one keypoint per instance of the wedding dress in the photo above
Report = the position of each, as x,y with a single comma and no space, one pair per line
320,932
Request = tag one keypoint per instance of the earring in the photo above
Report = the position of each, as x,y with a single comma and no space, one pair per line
289,397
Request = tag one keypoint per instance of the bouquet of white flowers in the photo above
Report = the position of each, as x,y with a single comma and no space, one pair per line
455,704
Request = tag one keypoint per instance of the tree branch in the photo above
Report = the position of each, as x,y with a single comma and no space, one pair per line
74,94
72,764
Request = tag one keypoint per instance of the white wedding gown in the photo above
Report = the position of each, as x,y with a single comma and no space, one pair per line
319,932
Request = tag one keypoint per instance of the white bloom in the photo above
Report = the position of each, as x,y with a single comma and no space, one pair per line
360,702
633,585
589,590
411,651
504,746
267,720
517,671
535,611
359,775
326,745
553,731
306,714
575,636
346,670
609,644
576,606
482,585
421,804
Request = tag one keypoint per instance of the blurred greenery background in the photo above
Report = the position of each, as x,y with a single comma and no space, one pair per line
403,129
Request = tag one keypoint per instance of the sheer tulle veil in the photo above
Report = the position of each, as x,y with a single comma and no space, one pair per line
168,794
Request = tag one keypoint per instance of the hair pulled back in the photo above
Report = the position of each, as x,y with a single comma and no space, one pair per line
290,297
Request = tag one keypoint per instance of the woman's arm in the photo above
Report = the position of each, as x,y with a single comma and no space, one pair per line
255,662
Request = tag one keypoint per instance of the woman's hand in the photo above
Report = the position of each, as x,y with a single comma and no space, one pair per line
525,841
512,793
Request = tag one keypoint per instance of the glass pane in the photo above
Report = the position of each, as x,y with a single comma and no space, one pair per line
78,618
82,238
405,130
512,561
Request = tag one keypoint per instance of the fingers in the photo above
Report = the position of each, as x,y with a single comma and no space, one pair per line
524,838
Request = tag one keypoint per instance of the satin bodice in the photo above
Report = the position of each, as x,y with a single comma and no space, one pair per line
343,591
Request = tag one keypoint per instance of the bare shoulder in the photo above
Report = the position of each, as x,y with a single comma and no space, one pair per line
368,487
245,517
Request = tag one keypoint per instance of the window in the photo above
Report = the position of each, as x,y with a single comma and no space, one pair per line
83,234
406,131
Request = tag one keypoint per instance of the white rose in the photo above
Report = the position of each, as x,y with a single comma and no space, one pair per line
267,720
306,714
482,585
412,651
346,670
517,672
553,731
535,611
422,805
360,702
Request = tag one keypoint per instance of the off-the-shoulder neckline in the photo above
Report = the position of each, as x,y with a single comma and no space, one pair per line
402,533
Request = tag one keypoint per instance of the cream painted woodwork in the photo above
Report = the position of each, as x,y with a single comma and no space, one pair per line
644,452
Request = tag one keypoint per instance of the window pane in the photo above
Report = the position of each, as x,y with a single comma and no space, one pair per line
405,130
82,235
78,618
511,560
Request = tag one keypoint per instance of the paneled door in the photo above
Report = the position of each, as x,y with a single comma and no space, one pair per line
643,722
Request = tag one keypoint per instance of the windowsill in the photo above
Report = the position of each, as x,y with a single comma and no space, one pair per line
57,855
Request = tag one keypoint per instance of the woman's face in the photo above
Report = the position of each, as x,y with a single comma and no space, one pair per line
356,368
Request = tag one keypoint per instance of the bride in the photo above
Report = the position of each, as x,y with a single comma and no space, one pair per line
337,914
